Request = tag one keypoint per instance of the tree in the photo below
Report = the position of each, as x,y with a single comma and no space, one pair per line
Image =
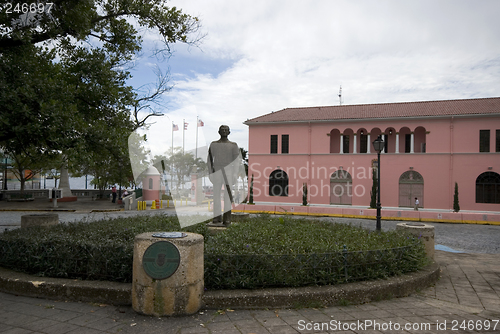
63,71
244,156
180,165
304,194
104,152
35,108
250,196
151,97
111,22
243,172
373,192
107,30
25,168
456,205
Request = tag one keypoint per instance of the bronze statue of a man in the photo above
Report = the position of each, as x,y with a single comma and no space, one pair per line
223,166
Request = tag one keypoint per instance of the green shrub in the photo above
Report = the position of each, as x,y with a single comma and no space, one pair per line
295,252
304,194
101,250
262,252
456,205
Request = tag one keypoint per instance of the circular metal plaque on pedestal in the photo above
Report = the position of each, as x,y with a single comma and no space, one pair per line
415,224
168,235
161,260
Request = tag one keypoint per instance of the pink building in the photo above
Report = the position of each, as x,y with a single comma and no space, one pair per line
428,147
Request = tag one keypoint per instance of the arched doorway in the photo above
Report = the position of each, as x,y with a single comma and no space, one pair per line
411,185
341,188
278,183
488,188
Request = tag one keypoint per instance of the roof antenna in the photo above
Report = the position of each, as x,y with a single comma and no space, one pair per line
340,94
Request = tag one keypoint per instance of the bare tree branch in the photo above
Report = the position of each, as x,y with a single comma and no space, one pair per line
144,103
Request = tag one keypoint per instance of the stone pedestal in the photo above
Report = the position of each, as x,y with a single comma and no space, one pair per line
46,219
422,231
181,259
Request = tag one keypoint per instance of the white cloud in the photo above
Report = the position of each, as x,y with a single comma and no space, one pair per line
297,53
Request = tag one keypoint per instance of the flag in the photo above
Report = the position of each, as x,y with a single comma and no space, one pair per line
175,127
200,123
185,126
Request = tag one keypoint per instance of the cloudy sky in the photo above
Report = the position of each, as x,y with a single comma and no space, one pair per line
261,56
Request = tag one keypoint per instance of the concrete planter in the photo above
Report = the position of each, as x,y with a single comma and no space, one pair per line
422,231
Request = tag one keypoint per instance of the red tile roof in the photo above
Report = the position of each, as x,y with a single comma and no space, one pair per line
383,110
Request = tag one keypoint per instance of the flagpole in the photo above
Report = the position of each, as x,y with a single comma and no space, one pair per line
196,147
171,162
183,131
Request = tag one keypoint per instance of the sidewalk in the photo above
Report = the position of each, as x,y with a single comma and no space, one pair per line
388,213
467,296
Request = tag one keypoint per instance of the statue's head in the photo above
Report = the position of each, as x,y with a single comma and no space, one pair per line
224,130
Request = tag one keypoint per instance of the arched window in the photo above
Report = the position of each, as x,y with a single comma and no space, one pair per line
348,141
335,141
278,183
488,188
341,188
411,185
404,140
420,144
363,140
150,183
390,140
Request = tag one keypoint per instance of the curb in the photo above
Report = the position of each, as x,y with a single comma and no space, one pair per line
339,215
120,293
65,289
315,296
107,210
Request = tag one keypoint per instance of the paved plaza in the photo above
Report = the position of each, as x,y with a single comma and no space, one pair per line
466,299
469,238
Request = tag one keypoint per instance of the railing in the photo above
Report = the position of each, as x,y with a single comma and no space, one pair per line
44,193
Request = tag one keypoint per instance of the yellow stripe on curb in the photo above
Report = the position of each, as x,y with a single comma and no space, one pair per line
477,222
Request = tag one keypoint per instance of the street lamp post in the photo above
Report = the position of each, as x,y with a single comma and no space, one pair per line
378,145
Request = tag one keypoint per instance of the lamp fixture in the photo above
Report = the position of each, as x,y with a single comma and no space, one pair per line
378,144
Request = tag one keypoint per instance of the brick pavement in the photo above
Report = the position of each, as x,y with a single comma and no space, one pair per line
467,295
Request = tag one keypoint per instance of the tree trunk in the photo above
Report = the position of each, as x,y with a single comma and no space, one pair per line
23,182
